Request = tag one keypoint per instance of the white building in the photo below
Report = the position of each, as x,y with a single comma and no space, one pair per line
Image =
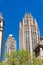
29,34
1,34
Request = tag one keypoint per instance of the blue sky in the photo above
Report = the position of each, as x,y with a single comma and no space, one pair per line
13,11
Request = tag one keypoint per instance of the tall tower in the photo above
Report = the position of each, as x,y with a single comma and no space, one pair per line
29,34
10,44
1,35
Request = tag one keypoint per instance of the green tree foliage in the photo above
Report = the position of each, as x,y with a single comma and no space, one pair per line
2,63
22,57
37,61
12,58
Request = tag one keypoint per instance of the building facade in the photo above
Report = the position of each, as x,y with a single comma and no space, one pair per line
39,49
10,44
1,35
29,34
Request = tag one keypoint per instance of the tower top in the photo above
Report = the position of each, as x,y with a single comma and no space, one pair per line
10,35
28,15
1,17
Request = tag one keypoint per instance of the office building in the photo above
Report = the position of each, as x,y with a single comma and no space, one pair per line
10,44
29,34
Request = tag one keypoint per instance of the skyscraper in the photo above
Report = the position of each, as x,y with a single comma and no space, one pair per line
10,44
29,34
1,35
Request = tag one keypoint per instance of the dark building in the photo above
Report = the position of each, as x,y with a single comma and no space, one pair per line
39,49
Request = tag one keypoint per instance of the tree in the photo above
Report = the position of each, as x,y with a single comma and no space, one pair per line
21,57
37,61
12,58
2,63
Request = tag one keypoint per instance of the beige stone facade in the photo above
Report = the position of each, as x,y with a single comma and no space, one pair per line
29,34
10,44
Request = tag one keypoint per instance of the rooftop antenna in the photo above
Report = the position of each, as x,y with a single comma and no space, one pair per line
25,10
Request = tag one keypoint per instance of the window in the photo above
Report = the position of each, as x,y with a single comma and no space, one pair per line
27,21
0,21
